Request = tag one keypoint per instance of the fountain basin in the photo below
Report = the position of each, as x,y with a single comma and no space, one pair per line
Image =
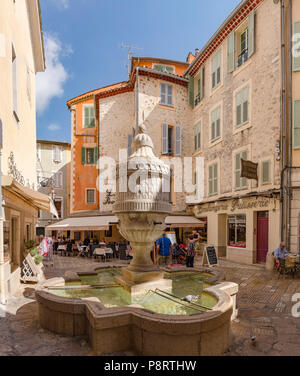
137,328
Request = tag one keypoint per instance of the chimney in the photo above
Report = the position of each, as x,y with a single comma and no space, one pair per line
197,51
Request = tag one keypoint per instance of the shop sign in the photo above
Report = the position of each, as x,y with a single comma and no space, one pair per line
249,170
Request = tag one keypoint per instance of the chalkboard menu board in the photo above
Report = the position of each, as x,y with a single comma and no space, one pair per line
211,256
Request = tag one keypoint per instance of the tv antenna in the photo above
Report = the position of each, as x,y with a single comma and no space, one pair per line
130,50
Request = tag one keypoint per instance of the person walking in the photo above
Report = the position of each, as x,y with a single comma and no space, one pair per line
190,255
164,248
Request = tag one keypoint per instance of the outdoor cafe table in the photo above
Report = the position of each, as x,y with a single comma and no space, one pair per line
61,248
108,251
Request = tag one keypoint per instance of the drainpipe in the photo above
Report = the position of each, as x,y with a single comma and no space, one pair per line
97,120
137,101
290,162
283,119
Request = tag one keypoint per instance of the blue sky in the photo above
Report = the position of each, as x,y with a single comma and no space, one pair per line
83,38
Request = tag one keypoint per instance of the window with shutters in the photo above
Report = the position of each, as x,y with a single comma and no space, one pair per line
171,140
199,86
215,125
57,178
164,68
57,154
90,196
240,183
166,94
88,116
242,107
14,67
241,43
216,69
90,156
213,180
296,47
266,172
197,137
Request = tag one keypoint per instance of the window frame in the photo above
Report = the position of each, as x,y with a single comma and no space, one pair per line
241,187
166,94
84,107
86,196
215,140
57,147
214,71
62,207
236,222
263,162
214,179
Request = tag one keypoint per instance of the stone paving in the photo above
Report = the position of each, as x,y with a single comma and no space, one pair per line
264,303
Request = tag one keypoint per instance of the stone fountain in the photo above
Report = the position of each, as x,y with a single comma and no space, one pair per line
142,211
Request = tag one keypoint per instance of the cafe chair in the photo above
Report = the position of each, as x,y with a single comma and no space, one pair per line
286,267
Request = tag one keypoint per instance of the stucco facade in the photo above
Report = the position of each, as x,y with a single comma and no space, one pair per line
53,172
21,57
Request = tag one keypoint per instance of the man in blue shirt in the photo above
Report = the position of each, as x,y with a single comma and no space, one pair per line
164,248
280,253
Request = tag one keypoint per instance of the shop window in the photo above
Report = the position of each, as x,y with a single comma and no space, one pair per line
237,231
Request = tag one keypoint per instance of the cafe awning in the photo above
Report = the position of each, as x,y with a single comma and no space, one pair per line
183,221
33,198
84,223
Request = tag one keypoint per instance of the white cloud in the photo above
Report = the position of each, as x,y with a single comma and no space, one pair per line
49,84
54,127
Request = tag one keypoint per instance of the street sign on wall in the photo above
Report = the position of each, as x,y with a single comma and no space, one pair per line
249,170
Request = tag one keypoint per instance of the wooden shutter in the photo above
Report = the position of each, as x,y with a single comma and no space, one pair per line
86,117
231,52
238,103
83,155
296,51
170,95
296,124
210,180
201,82
14,81
238,169
251,34
178,141
96,154
191,92
164,139
266,172
129,144
163,93
195,138
215,178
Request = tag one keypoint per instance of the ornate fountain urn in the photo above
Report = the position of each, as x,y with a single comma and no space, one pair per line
142,211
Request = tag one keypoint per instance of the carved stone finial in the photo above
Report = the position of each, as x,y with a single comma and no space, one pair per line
142,129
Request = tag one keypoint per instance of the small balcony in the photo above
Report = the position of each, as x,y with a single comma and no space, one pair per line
243,57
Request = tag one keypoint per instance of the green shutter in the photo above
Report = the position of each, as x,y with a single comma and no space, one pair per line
96,154
231,52
210,180
83,155
266,172
296,47
251,35
201,82
191,92
296,124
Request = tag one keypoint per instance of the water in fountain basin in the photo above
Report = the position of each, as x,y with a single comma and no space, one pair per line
186,283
